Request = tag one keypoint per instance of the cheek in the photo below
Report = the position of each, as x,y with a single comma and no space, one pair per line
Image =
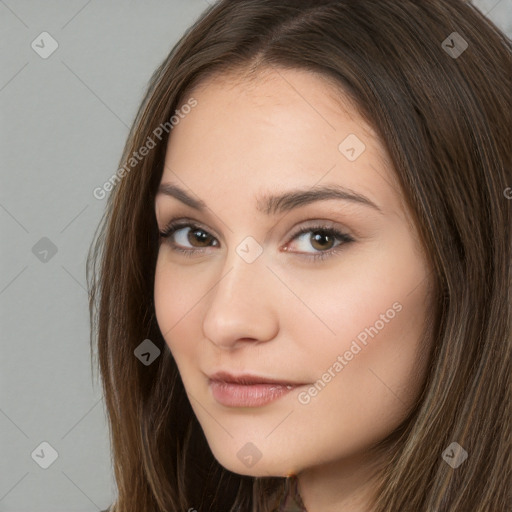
371,310
377,292
176,291
381,352
368,374
373,388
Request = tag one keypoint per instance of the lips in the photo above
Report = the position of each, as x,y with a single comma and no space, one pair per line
248,390
247,379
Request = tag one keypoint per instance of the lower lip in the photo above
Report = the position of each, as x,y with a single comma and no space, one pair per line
247,395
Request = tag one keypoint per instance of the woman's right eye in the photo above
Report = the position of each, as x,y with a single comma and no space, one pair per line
182,233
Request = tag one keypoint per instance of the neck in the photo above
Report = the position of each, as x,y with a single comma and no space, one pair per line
345,485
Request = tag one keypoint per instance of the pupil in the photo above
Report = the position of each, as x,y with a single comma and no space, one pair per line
201,237
317,237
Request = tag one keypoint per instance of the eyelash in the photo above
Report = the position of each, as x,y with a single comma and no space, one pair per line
174,226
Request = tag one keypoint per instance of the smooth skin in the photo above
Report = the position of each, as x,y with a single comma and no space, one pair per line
285,315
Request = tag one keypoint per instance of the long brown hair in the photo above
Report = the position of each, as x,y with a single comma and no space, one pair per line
441,103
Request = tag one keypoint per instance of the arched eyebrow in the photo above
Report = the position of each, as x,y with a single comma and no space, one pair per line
273,204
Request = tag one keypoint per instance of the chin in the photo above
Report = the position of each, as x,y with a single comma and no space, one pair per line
240,462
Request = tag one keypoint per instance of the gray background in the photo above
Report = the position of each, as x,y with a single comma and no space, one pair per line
64,123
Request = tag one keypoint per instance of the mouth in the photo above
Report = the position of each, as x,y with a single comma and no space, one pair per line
248,390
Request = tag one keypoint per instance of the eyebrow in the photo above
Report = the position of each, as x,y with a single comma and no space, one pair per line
273,204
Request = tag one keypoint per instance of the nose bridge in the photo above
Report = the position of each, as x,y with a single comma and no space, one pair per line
241,304
244,268
241,281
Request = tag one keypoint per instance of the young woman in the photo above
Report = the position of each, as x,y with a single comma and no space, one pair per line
300,293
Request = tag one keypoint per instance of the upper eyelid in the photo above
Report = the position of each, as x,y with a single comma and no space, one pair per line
182,222
184,217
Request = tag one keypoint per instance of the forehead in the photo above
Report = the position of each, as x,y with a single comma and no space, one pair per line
279,128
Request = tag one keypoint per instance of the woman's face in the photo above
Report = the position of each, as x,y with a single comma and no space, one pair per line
338,339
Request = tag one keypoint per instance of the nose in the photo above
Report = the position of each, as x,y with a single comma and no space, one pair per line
242,305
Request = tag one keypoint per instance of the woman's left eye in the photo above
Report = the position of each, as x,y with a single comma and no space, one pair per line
322,238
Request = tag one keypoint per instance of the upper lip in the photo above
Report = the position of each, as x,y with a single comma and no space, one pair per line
248,379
